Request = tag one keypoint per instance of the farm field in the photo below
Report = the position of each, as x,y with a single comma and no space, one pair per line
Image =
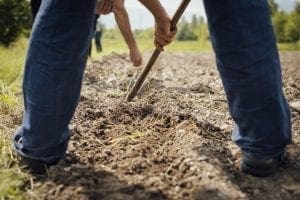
172,142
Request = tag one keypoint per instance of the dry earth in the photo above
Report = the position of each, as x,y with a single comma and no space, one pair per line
172,142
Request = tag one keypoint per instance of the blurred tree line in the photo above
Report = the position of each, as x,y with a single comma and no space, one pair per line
286,25
15,19
196,29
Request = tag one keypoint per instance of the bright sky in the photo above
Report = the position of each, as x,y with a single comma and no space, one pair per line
141,18
196,6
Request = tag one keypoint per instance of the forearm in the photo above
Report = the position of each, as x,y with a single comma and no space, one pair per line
155,8
122,20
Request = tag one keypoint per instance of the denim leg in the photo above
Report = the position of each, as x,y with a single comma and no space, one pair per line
53,74
248,62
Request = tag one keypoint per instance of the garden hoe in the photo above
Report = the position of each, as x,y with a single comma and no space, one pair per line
140,80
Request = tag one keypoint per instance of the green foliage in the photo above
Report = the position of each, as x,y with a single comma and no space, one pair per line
292,28
8,100
14,19
279,21
286,25
11,60
195,23
13,180
273,7
297,8
194,30
185,33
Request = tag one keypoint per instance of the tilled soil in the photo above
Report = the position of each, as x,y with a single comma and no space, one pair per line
172,142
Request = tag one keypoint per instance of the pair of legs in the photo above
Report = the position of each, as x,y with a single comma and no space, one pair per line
35,6
247,60
98,36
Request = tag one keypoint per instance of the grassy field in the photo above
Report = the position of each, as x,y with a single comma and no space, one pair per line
289,46
119,46
13,181
12,178
11,60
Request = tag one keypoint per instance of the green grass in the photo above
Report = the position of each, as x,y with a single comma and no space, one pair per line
12,178
146,45
118,45
8,99
289,46
12,60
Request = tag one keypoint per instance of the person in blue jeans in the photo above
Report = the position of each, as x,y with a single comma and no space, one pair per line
248,62
246,55
54,67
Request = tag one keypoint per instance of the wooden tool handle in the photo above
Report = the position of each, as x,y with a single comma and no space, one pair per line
177,15
136,87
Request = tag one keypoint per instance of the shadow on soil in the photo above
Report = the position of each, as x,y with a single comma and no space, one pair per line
83,181
283,185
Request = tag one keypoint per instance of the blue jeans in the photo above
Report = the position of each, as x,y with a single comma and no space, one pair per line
247,59
53,74
248,62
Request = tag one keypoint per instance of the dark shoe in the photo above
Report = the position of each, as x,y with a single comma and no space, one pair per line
35,167
262,167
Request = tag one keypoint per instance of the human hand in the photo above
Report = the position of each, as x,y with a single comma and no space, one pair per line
163,33
104,7
136,57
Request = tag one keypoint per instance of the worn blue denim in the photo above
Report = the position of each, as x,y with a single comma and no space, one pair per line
247,59
53,74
